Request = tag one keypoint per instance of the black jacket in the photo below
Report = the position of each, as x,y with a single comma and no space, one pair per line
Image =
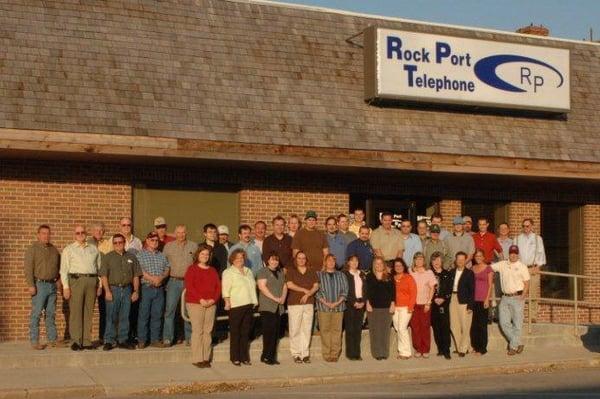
218,258
466,287
443,289
351,298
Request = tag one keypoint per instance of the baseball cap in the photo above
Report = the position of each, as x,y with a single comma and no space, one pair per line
435,228
310,214
467,218
159,221
513,249
458,220
152,234
222,229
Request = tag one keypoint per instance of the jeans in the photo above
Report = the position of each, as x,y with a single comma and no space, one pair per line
45,298
511,319
151,310
117,314
172,311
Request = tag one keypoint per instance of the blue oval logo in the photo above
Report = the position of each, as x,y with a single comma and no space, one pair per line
485,70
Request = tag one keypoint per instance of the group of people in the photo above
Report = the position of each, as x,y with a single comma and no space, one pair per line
349,276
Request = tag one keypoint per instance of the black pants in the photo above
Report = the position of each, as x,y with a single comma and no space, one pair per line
271,323
353,320
479,328
440,322
240,326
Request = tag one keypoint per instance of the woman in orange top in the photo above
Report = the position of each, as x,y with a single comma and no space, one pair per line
406,298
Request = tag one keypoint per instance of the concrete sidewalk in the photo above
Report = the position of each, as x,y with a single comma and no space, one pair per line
118,380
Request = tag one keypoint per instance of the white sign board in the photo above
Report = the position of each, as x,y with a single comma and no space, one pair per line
443,69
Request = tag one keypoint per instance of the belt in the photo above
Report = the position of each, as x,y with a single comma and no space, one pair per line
513,294
455,292
121,285
177,278
41,280
77,275
530,266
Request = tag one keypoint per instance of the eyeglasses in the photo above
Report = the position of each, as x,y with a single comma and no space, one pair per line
80,232
126,225
118,242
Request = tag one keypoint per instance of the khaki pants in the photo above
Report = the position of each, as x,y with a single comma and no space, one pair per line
300,319
535,288
460,325
202,320
330,326
81,309
401,319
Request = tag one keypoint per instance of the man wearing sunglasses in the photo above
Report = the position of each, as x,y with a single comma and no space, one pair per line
79,266
120,274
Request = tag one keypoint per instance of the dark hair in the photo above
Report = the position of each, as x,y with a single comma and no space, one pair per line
273,254
364,227
480,251
43,227
209,226
244,227
402,262
530,220
234,255
331,218
118,235
342,215
437,216
359,209
260,222
203,247
479,219
386,213
326,258
435,255
294,216
296,259
346,265
503,223
278,217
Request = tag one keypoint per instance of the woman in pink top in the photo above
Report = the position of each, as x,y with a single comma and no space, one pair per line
484,282
420,323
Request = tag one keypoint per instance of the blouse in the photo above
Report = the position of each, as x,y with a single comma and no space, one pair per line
239,287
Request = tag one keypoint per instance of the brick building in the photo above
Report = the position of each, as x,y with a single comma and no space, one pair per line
240,110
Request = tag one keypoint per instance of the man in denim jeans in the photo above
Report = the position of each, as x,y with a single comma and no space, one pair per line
180,254
514,279
120,275
155,269
42,263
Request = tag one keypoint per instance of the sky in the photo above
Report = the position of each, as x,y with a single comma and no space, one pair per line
568,19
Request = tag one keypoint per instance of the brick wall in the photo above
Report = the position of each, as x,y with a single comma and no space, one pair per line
517,211
591,252
264,204
448,209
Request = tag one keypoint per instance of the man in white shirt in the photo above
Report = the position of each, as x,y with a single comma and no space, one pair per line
533,255
260,232
514,279
132,243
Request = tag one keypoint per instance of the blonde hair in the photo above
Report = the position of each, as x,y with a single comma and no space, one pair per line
420,254
385,274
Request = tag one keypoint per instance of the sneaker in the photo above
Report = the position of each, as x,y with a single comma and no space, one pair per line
520,349
76,347
297,360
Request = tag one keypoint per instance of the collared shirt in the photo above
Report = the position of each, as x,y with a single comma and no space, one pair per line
487,242
259,244
282,247
275,286
440,246
133,244
77,258
337,247
364,251
153,263
239,287
531,249
355,228
253,256
164,241
332,287
457,279
348,236
358,283
180,255
444,234
120,268
42,261
104,245
512,275
389,242
412,245
457,243
219,256
505,244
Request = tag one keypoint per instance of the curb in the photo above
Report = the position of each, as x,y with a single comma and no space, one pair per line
84,391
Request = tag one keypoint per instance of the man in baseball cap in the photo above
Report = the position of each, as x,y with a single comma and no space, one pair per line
160,227
224,236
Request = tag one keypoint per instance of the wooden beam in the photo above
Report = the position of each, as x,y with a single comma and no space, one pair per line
115,146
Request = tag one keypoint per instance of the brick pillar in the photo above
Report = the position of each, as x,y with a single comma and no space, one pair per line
265,204
449,209
591,252
517,211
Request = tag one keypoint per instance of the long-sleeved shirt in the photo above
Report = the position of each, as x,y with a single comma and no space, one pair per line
531,249
487,242
406,291
132,244
380,293
201,283
282,247
153,263
433,246
332,287
239,287
78,259
337,247
42,261
364,252
412,245
180,255
253,255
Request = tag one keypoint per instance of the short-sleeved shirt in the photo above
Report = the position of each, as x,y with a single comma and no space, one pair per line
304,280
312,243
120,268
458,243
487,242
283,249
482,284
275,283
180,256
425,281
512,275
389,242
153,263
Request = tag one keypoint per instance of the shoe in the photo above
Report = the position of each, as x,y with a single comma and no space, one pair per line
426,355
200,365
247,363
403,357
108,347
306,359
297,360
166,344
56,344
520,349
440,354
334,359
187,342
89,347
460,354
236,363
447,356
418,354
126,345
38,347
511,352
76,347
157,344
207,364
141,345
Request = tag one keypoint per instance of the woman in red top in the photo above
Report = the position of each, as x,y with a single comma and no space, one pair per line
202,291
406,298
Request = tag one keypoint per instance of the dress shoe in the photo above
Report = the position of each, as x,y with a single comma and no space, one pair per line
207,364
247,363
460,354
76,347
520,349
141,345
306,359
57,344
38,347
447,356
511,352
236,363
157,344
297,360
108,347
126,345
89,347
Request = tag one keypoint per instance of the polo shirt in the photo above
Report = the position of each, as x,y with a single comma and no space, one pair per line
120,269
104,245
512,275
253,255
364,252
505,244
337,247
332,287
153,263
412,245
282,247
312,243
389,242
42,261
180,255
304,280
355,228
432,246
457,243
78,259
487,242
239,287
